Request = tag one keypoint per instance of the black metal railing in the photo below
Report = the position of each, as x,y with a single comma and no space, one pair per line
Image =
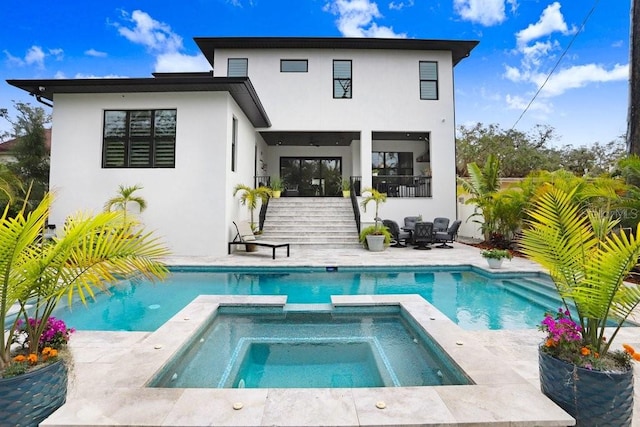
354,201
263,213
403,185
262,180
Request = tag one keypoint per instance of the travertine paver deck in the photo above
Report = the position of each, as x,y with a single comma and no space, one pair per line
111,368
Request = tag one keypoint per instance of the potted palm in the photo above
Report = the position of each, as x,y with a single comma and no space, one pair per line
92,253
249,197
495,257
377,236
588,263
346,188
276,186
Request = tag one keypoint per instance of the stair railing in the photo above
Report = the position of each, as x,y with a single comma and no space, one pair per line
354,200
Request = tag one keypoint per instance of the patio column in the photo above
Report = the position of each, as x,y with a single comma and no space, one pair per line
365,158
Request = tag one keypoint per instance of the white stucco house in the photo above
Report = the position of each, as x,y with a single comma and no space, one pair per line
309,110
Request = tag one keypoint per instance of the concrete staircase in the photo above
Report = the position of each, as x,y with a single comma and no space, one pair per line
323,222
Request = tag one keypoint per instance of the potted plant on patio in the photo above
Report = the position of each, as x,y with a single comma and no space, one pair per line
588,263
249,197
495,257
276,186
92,253
346,188
375,237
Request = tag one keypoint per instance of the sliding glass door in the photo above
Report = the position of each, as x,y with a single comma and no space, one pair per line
312,176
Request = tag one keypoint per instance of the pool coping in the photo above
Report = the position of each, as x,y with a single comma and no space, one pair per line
111,370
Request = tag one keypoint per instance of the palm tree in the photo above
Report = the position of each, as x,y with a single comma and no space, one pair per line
376,197
93,253
250,197
482,185
124,198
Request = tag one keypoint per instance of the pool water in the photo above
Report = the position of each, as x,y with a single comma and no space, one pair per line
473,300
379,347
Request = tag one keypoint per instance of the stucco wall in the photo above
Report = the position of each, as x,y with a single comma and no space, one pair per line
190,205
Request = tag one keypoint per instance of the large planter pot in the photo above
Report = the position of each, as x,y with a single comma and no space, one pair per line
593,398
494,262
28,399
375,242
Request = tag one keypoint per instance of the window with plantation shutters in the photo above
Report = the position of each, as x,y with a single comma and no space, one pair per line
237,67
428,80
342,79
139,139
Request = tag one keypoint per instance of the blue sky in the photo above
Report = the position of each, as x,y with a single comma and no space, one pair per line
521,41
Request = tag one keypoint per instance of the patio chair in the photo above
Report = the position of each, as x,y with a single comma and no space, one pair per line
246,237
410,225
397,234
450,235
440,224
423,235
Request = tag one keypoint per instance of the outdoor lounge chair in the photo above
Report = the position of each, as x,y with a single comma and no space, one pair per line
440,224
397,234
246,237
423,235
443,237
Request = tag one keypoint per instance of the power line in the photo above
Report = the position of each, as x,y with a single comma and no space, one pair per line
584,21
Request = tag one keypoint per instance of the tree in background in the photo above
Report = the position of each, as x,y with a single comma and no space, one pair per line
32,159
522,153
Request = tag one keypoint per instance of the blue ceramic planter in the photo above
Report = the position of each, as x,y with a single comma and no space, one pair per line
28,399
593,398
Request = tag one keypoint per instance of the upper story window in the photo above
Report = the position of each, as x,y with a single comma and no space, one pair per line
342,78
294,65
237,67
428,80
139,139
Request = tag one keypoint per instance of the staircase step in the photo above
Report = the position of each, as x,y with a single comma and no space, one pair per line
305,221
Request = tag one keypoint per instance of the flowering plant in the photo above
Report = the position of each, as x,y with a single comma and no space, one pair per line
588,263
564,341
92,253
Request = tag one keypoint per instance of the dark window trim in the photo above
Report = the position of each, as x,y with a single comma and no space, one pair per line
305,61
436,80
350,79
128,140
234,143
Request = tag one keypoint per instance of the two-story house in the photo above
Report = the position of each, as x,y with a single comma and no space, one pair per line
312,111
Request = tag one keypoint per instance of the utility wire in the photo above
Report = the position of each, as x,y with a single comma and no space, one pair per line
584,22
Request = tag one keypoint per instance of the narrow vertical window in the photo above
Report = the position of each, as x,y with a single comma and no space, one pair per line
234,144
428,80
342,79
237,67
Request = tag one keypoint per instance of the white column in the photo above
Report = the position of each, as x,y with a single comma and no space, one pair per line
365,157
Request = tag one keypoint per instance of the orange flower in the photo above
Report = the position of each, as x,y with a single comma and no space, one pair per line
585,351
20,358
549,343
629,349
53,352
46,351
32,358
636,357
596,355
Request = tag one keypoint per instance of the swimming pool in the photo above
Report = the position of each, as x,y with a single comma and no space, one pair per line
377,346
471,298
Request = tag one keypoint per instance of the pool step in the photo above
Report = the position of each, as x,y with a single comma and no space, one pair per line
537,292
318,308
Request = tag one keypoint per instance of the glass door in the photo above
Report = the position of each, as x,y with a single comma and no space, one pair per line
312,176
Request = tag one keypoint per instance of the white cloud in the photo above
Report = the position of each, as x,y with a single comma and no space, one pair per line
550,21
580,76
355,19
158,38
35,56
154,35
95,53
518,103
484,12
239,3
400,5
174,62
514,5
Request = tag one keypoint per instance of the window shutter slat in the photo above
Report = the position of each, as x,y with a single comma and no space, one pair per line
237,67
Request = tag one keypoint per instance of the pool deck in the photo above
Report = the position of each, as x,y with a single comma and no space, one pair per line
110,369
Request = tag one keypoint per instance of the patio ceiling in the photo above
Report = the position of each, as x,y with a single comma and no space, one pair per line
332,139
